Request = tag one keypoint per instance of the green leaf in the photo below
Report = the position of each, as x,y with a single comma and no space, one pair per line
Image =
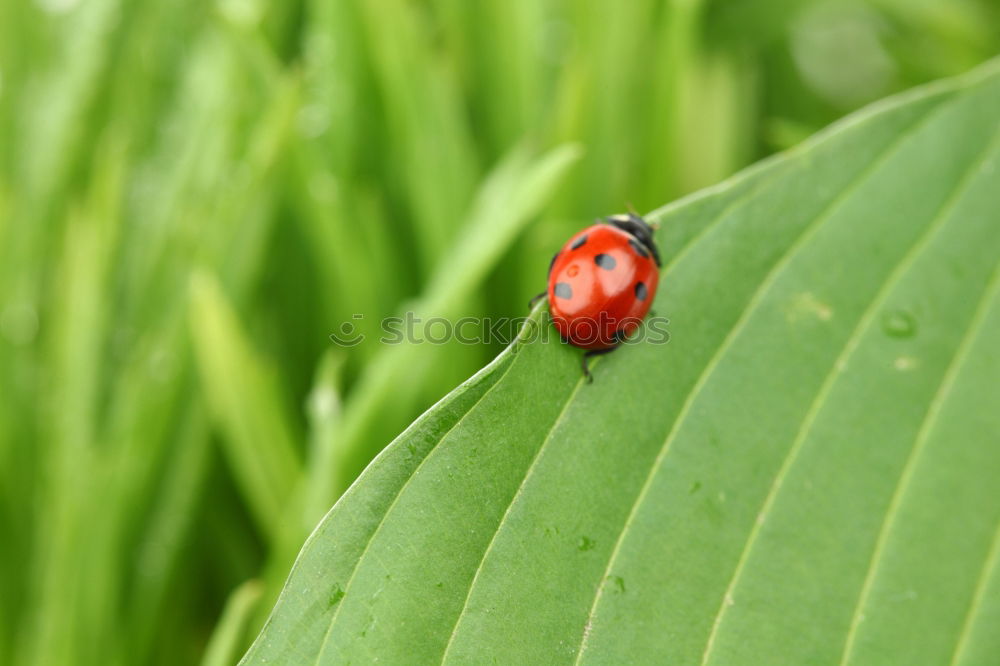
804,474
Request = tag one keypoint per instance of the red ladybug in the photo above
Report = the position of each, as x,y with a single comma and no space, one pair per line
602,282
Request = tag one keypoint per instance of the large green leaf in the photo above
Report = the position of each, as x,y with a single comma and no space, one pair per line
806,473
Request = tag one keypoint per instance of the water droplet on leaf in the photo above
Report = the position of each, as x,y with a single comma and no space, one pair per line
336,595
899,324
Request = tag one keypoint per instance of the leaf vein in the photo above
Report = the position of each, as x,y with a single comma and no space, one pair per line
863,324
378,528
991,566
955,366
743,197
510,506
748,311
690,244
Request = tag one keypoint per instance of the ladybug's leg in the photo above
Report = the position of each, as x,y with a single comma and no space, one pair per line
585,361
620,336
534,300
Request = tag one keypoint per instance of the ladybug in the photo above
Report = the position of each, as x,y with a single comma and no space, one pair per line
601,284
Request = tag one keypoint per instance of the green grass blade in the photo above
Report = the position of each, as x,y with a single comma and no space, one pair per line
227,638
246,402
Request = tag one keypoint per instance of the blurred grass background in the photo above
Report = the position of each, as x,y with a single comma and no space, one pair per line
194,195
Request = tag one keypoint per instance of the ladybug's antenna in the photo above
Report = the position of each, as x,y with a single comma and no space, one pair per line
632,210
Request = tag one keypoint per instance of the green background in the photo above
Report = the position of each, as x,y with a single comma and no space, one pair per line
194,195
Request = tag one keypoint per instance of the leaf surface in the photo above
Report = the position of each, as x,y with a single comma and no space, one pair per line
804,474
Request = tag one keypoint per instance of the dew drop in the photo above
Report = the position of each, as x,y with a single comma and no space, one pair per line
335,595
899,324
618,582
585,544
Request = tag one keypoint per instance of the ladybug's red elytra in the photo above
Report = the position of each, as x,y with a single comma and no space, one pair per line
602,282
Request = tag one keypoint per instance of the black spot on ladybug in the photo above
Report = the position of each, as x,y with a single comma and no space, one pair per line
553,262
579,242
640,291
605,261
563,290
637,246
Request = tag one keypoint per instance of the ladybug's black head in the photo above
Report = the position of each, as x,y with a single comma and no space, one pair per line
638,227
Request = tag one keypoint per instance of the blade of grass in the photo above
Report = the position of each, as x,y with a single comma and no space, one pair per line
228,636
435,160
247,404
